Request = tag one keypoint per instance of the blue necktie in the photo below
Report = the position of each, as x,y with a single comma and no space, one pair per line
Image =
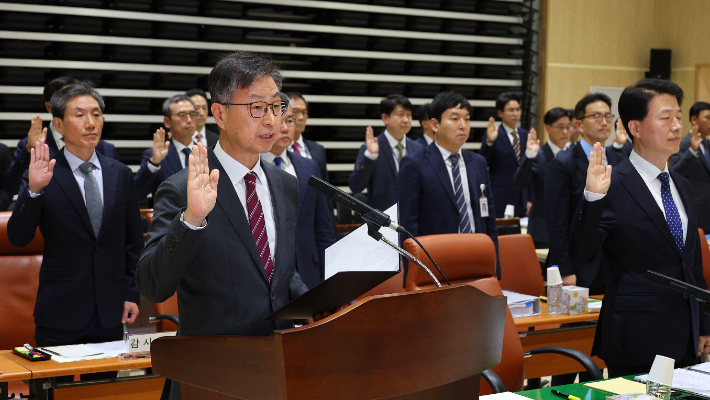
187,153
672,215
278,161
464,221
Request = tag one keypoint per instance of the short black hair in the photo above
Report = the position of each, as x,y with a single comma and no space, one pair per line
445,100
697,107
56,84
389,103
297,95
60,99
168,111
196,91
634,100
504,98
581,108
423,113
570,113
554,114
237,71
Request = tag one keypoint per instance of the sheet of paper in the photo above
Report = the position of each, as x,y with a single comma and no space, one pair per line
618,386
75,350
504,396
688,380
359,252
97,351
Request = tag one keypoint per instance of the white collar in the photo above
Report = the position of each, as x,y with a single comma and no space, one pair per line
393,142
508,129
58,138
269,157
194,135
75,162
236,170
446,154
648,171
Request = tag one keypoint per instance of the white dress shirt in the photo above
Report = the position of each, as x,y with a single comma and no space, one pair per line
464,180
392,142
428,139
509,131
203,139
75,162
286,163
58,138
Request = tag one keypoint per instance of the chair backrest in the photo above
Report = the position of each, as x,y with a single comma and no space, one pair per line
520,268
169,306
19,279
149,217
706,256
470,258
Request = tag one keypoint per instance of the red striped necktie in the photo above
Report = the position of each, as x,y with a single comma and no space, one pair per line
258,225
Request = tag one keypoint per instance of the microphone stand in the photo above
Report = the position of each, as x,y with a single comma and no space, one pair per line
373,231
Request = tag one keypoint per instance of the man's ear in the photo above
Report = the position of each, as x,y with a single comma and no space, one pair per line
385,118
57,122
166,122
218,111
634,129
500,114
434,124
47,106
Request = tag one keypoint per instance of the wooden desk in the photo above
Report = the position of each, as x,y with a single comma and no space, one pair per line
43,385
579,337
10,371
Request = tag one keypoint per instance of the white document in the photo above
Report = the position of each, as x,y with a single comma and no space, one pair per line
695,379
83,352
522,305
359,252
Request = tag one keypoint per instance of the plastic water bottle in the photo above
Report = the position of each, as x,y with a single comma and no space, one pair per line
554,291
658,390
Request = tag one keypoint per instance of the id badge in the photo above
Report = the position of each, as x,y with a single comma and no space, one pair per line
483,203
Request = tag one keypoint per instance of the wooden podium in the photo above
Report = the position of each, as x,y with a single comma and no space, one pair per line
431,344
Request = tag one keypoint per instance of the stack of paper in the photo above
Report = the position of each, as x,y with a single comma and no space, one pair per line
695,379
522,305
82,352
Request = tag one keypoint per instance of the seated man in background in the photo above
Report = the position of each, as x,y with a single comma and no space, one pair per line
202,134
315,227
440,188
166,158
378,161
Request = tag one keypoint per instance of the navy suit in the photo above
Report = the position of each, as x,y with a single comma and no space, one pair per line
378,176
81,274
148,182
13,179
697,171
502,164
5,163
315,226
317,152
533,171
564,187
640,318
427,205
212,138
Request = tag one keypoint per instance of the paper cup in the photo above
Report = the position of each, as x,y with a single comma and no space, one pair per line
553,276
509,211
662,370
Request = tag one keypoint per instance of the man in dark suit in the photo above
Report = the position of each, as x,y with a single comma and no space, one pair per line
378,161
166,158
84,204
638,217
503,149
315,227
301,146
533,168
5,163
428,134
564,186
440,188
202,134
219,249
693,161
54,140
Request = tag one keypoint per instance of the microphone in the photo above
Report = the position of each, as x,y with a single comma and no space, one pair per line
369,214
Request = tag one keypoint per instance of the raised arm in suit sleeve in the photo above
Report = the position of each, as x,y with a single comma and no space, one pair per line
134,239
683,162
523,175
590,227
487,151
362,173
558,194
25,217
20,164
407,191
145,178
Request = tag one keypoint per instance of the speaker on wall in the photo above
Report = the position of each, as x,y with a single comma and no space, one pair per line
660,64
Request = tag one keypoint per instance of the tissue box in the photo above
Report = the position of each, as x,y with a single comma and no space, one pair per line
575,300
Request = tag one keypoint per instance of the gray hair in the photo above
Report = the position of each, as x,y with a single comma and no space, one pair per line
59,100
237,71
167,111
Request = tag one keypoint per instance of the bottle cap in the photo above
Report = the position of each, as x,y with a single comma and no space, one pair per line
553,276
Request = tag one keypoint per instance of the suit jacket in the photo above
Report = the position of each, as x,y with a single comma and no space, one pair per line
5,163
378,176
640,318
502,165
21,163
317,152
315,226
212,138
148,182
697,171
531,172
564,187
427,205
80,273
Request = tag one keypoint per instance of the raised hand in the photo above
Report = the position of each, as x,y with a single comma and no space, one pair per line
533,143
598,176
41,167
491,131
201,187
621,135
372,146
695,137
36,132
160,146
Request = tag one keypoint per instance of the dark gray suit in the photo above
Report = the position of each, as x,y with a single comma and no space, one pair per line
220,280
697,171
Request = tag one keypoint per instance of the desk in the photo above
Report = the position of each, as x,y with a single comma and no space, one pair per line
579,337
575,389
42,383
10,371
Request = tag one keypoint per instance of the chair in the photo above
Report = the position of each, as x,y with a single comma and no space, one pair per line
166,315
508,226
705,248
471,259
19,279
520,268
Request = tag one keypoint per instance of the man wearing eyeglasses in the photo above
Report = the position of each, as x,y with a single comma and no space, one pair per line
202,107
166,158
564,187
302,146
228,249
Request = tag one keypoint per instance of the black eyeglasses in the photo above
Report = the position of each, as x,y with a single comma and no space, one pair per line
258,109
598,117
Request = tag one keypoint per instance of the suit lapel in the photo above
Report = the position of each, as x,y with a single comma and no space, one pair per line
51,143
386,152
505,141
278,202
302,179
173,157
580,159
435,159
64,177
110,180
547,152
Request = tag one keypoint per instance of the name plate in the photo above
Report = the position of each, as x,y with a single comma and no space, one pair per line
141,343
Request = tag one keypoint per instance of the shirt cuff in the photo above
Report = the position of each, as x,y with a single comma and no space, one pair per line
371,156
189,225
152,168
530,154
695,152
591,196
617,145
33,195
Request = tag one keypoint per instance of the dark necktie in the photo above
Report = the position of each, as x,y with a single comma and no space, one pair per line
278,161
464,220
516,145
258,225
672,215
186,151
296,148
94,204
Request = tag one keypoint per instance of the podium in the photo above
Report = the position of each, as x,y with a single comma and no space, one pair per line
430,344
